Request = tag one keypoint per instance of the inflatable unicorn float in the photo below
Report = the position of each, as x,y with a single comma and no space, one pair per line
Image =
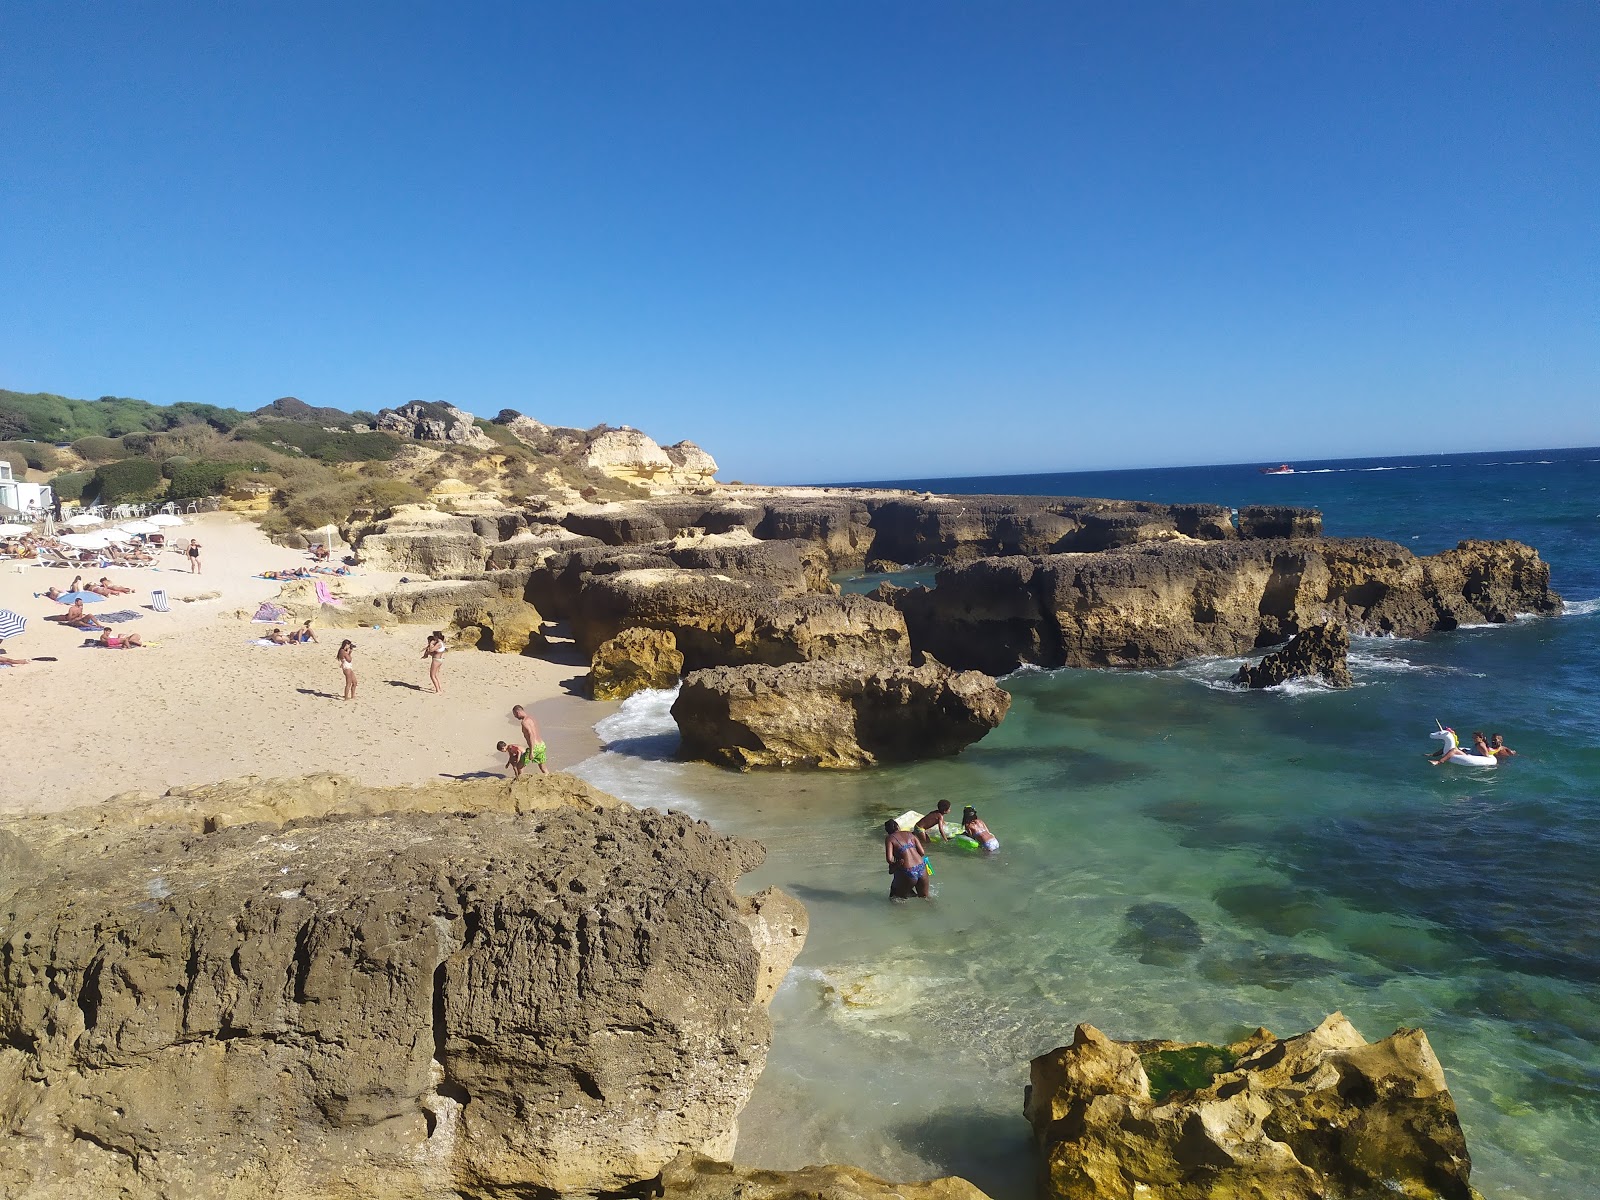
1453,752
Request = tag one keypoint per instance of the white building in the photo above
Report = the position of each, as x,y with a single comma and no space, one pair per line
28,499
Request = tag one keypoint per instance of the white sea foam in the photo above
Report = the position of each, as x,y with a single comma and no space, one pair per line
637,762
1581,608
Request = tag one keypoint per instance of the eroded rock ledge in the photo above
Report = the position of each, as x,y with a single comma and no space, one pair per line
314,989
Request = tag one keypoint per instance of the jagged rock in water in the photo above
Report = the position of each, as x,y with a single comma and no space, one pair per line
1302,1118
1156,605
430,421
1279,521
834,714
634,660
310,989
694,1177
1322,651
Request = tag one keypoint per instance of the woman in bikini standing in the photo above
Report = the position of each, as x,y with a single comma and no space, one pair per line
346,661
194,557
434,652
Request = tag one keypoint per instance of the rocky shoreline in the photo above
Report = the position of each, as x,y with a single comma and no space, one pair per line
316,989
692,587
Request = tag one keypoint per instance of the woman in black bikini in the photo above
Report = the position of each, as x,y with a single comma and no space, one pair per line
194,557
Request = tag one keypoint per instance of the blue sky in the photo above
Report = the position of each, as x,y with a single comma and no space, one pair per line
864,239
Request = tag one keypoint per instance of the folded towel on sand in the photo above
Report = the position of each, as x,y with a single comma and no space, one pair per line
126,614
269,613
323,594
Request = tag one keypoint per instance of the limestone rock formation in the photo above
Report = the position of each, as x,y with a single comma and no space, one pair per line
627,454
430,421
691,466
1302,1118
834,714
1321,651
634,660
475,990
1279,521
1155,605
719,620
694,1177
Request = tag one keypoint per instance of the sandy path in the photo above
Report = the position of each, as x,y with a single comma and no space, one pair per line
202,704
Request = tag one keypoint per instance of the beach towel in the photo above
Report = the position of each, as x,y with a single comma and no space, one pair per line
126,614
269,613
158,600
323,594
263,642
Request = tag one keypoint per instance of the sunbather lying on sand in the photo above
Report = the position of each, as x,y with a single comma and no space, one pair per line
114,641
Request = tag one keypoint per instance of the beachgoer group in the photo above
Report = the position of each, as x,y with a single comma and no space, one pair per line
906,850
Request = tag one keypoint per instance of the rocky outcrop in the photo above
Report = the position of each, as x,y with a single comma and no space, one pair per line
634,660
691,466
1300,1118
430,421
693,1177
1319,652
831,714
1154,606
311,989
719,620
1279,521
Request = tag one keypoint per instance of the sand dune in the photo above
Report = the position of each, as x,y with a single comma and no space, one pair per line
202,704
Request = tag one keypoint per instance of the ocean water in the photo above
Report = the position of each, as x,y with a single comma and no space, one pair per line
1182,859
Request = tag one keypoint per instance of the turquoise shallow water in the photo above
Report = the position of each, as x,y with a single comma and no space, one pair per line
1180,859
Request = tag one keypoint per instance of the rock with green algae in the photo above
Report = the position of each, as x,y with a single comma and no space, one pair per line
1322,1114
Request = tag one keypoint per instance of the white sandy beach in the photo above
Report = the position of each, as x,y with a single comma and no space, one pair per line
202,704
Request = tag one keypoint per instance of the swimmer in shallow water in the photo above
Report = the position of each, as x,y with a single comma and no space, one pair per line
973,826
908,866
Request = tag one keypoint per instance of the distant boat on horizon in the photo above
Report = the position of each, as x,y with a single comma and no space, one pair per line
1285,469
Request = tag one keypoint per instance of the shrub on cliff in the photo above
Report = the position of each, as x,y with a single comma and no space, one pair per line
41,456
194,479
100,449
130,479
339,446
69,485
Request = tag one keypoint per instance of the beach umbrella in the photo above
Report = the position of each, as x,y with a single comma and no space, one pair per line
83,519
139,527
85,541
116,535
86,597
11,624
12,530
165,519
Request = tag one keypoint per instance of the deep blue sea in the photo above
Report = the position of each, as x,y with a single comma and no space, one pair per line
1182,859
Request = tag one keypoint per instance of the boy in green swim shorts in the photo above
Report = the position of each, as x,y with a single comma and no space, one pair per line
535,753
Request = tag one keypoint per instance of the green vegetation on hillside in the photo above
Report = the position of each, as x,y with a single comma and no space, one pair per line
48,418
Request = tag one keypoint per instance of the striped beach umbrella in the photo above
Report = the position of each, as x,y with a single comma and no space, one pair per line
11,624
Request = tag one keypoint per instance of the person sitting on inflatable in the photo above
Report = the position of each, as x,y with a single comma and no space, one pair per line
1480,755
935,820
975,829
